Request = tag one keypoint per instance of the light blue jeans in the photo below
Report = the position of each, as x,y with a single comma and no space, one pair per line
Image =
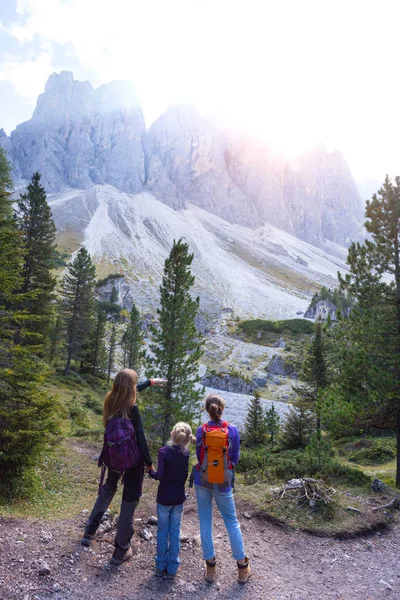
168,530
226,506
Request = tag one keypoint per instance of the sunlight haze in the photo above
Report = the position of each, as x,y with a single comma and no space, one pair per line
293,73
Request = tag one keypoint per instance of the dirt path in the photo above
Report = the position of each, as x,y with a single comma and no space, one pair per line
286,565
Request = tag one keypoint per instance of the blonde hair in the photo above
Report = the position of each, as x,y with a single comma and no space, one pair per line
215,406
122,397
182,434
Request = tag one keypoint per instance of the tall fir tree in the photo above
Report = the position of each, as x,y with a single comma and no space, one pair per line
314,372
132,342
94,352
77,298
111,352
255,425
177,346
27,413
273,424
374,281
38,232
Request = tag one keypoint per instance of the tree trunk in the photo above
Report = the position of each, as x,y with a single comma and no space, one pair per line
398,449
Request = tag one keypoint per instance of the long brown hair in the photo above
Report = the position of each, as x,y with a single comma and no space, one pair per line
215,406
122,397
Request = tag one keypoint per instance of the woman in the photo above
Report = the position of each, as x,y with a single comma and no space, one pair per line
121,403
217,449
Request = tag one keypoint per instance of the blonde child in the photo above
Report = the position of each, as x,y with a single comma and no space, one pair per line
172,472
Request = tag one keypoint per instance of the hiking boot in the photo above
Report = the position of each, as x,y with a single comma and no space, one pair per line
244,571
120,555
159,573
87,539
209,575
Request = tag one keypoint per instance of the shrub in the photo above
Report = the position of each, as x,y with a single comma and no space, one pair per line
294,326
371,452
93,404
347,475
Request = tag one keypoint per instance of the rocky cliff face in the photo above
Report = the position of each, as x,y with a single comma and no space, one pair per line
79,137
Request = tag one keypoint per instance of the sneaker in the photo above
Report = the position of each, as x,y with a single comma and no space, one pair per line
120,555
244,571
209,575
159,572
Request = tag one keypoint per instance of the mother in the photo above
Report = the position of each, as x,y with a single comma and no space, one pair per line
217,449
121,402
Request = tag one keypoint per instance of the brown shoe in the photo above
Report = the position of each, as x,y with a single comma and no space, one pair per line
121,556
209,575
244,571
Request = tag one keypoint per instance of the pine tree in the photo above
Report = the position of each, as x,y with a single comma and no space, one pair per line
27,419
77,297
176,349
255,425
114,295
38,232
94,352
374,281
132,342
318,452
299,425
314,372
54,337
111,352
273,424
10,254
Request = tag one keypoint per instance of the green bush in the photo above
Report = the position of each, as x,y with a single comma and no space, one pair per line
338,473
371,452
93,404
294,326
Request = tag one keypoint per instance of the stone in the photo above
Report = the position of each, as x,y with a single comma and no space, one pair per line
279,366
280,343
247,515
145,534
184,539
46,536
378,485
44,568
152,520
353,510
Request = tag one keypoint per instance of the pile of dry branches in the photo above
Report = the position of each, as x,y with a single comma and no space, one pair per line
306,491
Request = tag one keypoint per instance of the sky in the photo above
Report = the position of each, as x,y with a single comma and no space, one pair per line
293,72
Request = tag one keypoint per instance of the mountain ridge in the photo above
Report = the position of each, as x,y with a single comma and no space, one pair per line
79,137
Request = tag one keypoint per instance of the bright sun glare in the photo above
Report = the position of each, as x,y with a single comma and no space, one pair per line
293,73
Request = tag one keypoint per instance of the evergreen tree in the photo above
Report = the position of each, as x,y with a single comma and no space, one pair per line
111,352
132,342
319,452
26,413
77,297
38,232
114,295
255,425
54,337
374,281
94,352
176,349
273,424
10,255
314,372
299,425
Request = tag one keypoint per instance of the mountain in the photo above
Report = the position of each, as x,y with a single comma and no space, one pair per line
266,233
254,272
79,137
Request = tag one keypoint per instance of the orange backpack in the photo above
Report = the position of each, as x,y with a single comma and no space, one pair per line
215,466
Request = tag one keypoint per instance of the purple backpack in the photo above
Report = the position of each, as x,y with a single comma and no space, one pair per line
120,450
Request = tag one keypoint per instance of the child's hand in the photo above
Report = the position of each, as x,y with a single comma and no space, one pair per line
159,381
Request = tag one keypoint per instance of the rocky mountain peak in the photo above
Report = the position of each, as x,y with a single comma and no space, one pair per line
79,137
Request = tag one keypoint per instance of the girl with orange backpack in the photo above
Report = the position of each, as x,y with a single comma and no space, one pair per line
218,449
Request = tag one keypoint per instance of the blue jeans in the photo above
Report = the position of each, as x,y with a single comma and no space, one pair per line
169,526
226,506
